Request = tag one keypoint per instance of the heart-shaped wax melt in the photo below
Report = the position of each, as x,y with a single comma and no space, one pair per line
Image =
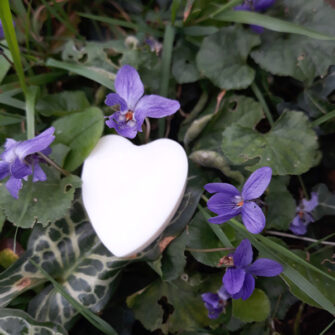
132,192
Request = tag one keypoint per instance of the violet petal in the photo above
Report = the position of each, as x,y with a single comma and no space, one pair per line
265,267
222,203
247,288
128,85
113,99
156,106
13,186
38,143
309,205
298,226
262,5
257,183
222,188
19,169
243,254
224,217
39,174
4,169
233,280
253,217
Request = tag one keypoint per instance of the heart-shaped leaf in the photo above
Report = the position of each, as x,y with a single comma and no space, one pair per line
298,56
290,147
81,132
41,202
223,57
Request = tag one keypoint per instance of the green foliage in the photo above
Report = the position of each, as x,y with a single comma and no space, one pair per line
70,251
297,56
63,103
184,68
224,65
40,202
17,322
280,203
81,132
188,310
326,202
256,308
290,147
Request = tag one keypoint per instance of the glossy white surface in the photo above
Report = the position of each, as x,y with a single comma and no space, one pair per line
131,192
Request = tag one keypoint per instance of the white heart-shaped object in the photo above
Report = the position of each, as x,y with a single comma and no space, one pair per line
132,192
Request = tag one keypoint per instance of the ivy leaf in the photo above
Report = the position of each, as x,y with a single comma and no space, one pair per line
298,56
17,322
81,132
223,57
41,202
184,68
280,203
256,308
174,307
69,251
63,103
290,147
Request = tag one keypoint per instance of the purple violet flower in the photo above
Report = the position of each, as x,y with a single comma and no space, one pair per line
256,6
304,217
133,106
229,202
239,280
215,302
20,160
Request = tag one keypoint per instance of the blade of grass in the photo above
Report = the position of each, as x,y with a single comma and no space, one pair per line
121,23
30,109
94,319
217,231
270,23
7,24
85,71
9,101
166,67
323,119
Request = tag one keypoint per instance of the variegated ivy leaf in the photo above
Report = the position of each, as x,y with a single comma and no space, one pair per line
70,251
17,322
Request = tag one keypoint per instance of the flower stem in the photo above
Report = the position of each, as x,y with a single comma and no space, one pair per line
307,239
54,164
261,100
209,250
303,187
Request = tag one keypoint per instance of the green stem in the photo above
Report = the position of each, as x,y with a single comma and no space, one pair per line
327,328
303,187
323,119
296,327
261,99
54,164
209,250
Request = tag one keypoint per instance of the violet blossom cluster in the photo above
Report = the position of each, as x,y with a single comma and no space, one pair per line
228,202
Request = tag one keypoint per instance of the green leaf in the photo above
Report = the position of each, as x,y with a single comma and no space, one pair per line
17,322
4,64
299,56
188,313
201,239
7,119
60,104
70,252
81,132
290,147
41,202
256,308
280,203
223,57
184,68
174,260
326,199
271,23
